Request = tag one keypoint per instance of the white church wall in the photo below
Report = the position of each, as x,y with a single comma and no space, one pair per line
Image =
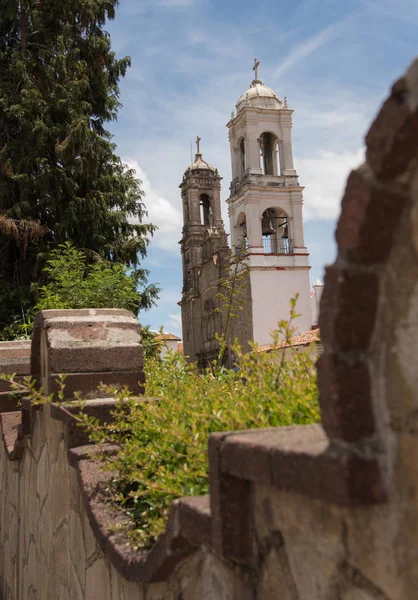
271,296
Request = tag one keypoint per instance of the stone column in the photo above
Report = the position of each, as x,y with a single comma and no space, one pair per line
252,213
194,206
216,203
252,146
286,153
296,202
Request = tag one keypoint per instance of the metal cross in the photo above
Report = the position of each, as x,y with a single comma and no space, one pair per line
255,67
198,140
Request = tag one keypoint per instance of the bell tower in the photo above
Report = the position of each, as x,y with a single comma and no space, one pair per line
265,209
205,254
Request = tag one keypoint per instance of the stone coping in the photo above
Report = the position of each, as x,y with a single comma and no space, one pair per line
188,526
277,456
14,358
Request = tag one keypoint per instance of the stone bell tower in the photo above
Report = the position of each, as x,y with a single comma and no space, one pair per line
205,254
265,209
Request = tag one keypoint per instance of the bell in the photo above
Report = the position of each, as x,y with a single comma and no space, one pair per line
285,235
267,226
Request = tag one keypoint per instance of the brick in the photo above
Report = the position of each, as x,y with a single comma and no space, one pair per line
96,358
392,139
87,383
348,308
345,398
368,222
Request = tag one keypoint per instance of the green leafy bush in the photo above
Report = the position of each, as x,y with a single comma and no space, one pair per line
163,439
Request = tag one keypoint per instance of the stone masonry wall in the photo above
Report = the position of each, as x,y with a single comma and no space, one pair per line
321,512
14,358
48,547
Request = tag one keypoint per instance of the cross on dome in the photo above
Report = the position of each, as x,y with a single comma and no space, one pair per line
255,68
198,140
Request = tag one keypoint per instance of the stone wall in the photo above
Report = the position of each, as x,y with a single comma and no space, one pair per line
322,512
14,358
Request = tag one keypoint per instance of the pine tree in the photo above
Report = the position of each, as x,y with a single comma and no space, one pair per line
60,178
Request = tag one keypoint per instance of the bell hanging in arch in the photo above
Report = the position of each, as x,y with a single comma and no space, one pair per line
267,226
285,235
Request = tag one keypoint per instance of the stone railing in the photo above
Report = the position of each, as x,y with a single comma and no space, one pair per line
298,513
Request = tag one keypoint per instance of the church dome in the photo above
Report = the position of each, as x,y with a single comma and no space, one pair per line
259,96
199,163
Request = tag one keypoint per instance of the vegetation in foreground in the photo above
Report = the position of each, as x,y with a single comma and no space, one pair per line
163,439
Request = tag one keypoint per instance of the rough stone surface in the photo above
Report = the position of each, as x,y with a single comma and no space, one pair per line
89,347
345,388
14,358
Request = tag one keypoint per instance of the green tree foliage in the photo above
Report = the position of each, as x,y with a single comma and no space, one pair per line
60,178
151,345
76,283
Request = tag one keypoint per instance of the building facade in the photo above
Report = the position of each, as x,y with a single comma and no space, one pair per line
265,209
266,225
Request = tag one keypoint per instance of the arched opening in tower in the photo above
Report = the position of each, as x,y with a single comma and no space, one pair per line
204,209
275,232
269,146
242,164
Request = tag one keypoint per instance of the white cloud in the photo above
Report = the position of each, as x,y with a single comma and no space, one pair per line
175,322
308,46
324,176
161,213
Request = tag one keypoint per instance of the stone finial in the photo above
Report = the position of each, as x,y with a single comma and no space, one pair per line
233,114
285,102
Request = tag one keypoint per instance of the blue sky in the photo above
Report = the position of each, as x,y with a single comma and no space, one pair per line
192,59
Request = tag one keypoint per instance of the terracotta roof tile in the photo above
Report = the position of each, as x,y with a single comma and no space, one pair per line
302,339
167,337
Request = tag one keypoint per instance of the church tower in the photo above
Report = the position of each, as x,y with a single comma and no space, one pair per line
265,209
205,255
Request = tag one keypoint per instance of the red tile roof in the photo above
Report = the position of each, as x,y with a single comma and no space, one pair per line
302,339
167,337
